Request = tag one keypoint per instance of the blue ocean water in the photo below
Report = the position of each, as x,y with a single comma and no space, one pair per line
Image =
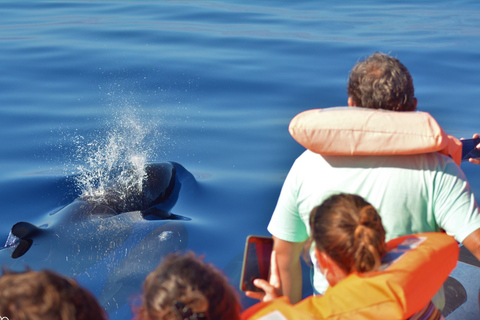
211,85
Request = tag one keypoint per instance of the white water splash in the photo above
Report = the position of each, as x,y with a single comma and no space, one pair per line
114,166
12,240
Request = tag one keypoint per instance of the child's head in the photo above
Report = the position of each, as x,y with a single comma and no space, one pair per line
186,282
40,295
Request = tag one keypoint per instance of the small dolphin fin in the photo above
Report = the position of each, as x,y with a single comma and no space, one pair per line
155,214
159,214
24,230
22,248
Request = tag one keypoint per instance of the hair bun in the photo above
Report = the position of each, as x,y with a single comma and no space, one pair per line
350,231
367,240
368,217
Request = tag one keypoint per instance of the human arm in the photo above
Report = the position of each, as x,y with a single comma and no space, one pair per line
289,268
456,209
472,243
285,273
288,226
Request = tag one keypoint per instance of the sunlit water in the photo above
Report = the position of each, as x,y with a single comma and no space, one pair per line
90,91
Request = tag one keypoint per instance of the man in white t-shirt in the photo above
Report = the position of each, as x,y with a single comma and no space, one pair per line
413,194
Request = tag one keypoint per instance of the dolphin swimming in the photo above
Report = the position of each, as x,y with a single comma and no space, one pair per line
108,245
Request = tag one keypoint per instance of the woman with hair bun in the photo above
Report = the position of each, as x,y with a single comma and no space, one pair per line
369,279
348,235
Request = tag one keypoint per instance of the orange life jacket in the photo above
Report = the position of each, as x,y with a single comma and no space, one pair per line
398,291
361,131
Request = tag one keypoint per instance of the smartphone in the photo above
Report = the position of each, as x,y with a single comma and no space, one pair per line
256,261
468,149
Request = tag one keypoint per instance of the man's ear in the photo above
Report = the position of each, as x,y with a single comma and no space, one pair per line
350,102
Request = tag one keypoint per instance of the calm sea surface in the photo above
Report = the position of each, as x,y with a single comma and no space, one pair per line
211,85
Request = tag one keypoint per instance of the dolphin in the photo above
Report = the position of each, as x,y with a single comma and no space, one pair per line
107,249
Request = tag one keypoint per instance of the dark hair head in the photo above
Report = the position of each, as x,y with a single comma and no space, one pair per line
349,230
381,82
186,279
40,295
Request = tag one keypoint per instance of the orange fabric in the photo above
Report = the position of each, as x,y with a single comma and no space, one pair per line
360,131
281,305
398,292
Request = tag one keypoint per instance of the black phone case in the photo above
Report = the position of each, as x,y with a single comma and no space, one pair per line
468,149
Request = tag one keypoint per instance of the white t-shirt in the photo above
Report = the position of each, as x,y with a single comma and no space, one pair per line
412,193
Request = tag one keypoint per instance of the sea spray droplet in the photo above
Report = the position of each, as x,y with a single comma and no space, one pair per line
114,167
165,235
11,240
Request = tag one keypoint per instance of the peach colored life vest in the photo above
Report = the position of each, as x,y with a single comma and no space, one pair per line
420,264
361,131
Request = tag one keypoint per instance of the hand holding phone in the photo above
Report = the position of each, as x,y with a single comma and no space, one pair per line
270,289
260,264
469,149
256,262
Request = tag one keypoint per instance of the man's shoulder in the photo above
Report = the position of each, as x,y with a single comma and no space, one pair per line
431,163
309,157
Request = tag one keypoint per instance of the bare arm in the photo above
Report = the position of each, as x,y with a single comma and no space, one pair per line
289,267
472,243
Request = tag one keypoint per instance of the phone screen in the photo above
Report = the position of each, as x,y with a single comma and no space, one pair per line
256,261
468,149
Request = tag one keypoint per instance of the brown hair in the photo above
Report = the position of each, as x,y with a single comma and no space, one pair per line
184,278
40,295
381,82
350,231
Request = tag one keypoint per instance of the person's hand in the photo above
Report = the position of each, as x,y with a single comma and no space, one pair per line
271,290
471,160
